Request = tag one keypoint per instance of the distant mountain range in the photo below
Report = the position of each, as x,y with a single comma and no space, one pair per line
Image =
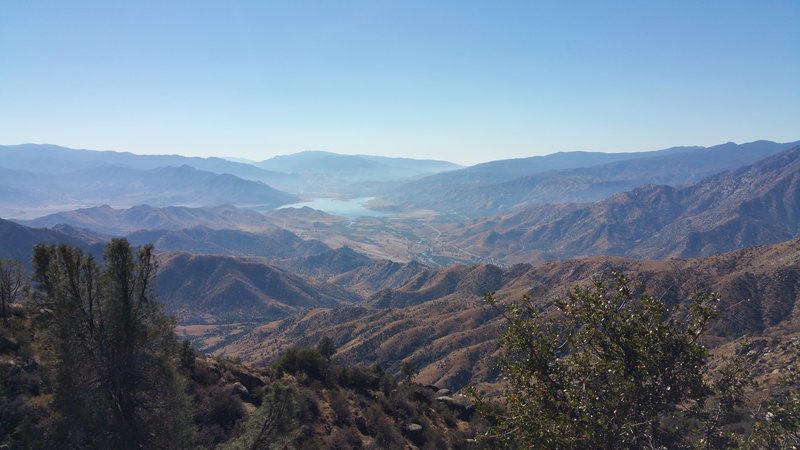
53,159
355,167
126,187
325,174
502,186
39,179
753,205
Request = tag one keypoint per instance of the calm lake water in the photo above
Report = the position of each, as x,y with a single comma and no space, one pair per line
352,208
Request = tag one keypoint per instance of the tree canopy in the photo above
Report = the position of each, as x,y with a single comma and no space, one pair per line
612,369
110,348
607,369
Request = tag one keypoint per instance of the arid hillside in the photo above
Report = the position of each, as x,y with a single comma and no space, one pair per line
753,205
438,322
209,289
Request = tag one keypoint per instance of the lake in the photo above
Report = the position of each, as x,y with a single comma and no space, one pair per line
351,208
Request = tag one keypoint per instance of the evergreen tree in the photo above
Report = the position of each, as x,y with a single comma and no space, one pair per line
110,349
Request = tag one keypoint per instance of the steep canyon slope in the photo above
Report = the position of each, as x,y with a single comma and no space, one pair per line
438,322
753,205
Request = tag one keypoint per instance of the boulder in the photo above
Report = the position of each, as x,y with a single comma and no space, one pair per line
240,390
247,378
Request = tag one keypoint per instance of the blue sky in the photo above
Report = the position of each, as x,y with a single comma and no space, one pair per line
458,80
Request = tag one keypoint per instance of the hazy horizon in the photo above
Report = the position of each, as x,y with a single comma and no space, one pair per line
455,81
253,161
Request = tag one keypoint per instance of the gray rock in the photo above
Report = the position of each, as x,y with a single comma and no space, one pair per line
240,389
413,427
248,379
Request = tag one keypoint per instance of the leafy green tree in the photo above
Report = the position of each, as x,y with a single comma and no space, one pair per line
110,350
608,370
13,283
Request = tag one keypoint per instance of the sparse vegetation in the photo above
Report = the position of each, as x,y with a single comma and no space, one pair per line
305,401
275,424
613,369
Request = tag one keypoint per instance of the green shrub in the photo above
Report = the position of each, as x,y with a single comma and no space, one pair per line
274,425
384,431
218,412
340,407
302,360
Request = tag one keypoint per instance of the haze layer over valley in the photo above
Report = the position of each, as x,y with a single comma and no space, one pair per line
429,211
677,202
398,279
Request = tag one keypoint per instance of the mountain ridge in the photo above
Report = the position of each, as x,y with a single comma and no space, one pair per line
209,289
124,187
122,221
476,192
451,336
755,204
